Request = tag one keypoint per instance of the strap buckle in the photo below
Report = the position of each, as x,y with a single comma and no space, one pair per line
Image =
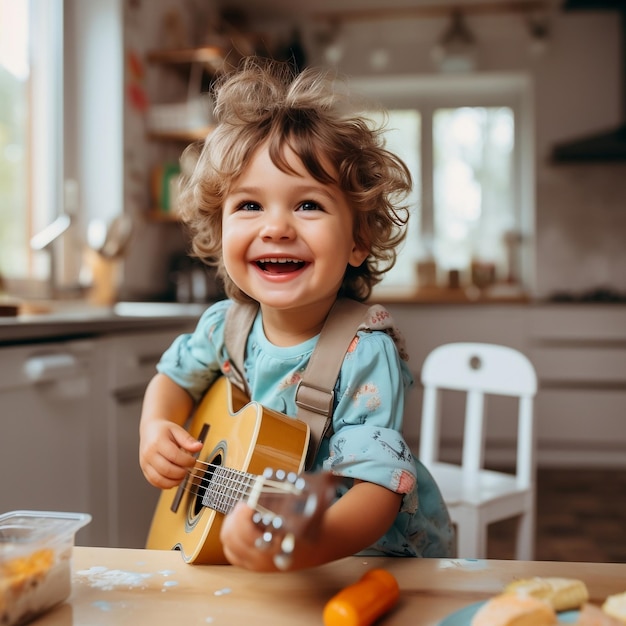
315,399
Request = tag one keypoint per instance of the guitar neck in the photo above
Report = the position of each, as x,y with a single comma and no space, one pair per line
224,487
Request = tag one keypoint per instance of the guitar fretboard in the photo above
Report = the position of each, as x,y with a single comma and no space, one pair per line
226,487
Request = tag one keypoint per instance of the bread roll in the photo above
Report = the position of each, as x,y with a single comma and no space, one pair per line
615,606
591,615
509,609
563,594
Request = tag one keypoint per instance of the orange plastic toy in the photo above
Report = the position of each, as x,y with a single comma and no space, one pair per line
362,603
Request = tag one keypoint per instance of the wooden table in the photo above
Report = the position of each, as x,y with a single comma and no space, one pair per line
139,587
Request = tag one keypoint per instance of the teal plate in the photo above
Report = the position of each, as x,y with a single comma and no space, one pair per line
463,617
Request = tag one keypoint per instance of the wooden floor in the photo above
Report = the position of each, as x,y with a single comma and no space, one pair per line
581,516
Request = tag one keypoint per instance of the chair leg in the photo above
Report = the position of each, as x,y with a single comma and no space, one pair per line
525,538
471,537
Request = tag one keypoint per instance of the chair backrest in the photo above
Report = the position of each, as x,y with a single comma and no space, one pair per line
478,369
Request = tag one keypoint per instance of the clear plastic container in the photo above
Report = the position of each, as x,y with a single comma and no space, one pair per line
35,562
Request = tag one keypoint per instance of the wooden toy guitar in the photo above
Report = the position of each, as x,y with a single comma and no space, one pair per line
241,439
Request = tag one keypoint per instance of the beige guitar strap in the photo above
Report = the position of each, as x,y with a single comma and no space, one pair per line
239,320
315,392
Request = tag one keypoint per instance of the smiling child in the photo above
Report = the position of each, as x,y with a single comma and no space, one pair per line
297,202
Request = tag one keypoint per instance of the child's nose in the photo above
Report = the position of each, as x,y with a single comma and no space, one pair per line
277,225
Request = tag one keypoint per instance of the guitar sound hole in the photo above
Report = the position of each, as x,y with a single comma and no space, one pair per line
202,483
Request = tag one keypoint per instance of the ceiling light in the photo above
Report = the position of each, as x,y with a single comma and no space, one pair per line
539,31
332,43
456,49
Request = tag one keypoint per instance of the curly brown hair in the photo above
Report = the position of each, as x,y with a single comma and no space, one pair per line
265,103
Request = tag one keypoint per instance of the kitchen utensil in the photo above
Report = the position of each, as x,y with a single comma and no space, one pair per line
117,237
110,240
96,234
50,233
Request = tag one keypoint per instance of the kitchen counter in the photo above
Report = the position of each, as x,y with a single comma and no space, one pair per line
118,586
68,319
72,319
451,295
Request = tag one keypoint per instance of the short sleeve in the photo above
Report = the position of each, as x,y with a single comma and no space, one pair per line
195,360
367,441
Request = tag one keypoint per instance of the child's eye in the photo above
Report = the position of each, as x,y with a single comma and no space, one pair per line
309,205
248,206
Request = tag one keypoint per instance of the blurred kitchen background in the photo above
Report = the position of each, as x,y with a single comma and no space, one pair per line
503,87
541,75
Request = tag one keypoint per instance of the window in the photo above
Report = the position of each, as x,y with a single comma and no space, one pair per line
31,161
472,185
403,138
468,143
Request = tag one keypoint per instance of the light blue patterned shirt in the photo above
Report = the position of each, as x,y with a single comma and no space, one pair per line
366,441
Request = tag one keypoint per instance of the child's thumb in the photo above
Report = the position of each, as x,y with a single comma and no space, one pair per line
187,442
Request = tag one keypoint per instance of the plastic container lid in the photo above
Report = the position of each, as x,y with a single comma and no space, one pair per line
21,532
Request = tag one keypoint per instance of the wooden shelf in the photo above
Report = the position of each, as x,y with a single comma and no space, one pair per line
158,215
185,136
213,61
212,57
448,295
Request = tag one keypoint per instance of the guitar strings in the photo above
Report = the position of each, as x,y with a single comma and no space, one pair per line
277,486
225,507
274,486
224,487
197,488
233,485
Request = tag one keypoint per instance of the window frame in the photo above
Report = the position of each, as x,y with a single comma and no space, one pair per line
427,93
45,147
88,160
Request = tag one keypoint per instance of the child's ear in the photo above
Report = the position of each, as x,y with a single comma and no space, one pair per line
358,255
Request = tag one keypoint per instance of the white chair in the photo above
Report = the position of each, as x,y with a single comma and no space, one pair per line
475,496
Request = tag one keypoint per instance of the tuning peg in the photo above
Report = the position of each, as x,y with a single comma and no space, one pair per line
272,474
284,558
281,475
264,541
288,543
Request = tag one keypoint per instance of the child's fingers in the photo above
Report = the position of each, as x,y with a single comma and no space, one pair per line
185,441
240,541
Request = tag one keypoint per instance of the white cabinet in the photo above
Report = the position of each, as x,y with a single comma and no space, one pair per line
131,361
427,326
69,430
580,356
579,352
49,459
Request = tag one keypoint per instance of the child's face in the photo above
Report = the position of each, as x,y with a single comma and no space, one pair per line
287,239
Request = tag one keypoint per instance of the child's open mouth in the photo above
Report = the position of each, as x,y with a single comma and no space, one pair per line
280,266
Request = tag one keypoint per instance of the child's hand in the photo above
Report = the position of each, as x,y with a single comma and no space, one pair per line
349,525
239,536
166,453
